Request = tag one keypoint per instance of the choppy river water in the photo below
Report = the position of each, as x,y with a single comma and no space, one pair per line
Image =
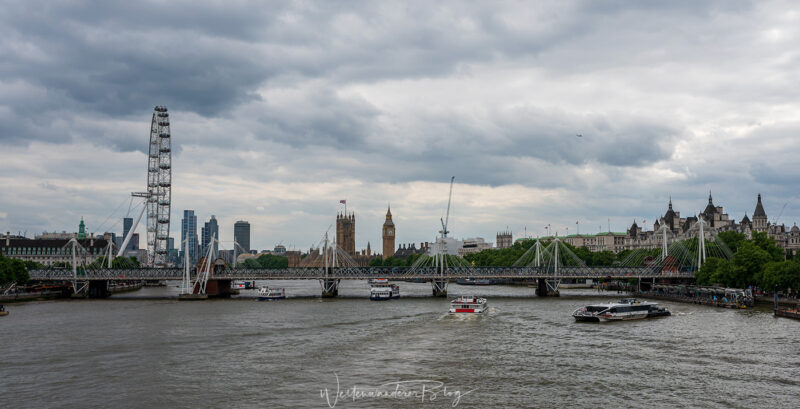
144,349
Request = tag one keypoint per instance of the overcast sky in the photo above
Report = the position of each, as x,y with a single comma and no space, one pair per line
280,110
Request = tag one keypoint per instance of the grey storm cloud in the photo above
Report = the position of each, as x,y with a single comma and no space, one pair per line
664,94
115,57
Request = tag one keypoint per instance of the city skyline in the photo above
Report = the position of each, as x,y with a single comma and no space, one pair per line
643,224
493,94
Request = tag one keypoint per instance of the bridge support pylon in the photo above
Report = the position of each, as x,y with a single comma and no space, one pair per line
330,288
547,288
219,288
98,289
439,288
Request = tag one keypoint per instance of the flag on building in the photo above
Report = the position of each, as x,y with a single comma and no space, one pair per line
343,201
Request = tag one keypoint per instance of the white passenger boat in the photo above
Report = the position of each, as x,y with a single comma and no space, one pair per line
624,310
381,290
267,293
243,285
468,305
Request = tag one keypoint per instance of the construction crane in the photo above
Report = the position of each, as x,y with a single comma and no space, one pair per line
446,219
775,221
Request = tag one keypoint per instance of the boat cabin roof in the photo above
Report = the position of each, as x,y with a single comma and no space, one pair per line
618,304
468,300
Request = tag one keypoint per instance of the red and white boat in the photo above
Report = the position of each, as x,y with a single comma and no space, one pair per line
468,305
382,290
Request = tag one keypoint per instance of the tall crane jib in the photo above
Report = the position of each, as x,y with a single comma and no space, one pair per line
446,219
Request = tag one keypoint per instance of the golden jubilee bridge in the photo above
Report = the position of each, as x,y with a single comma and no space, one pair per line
546,263
218,281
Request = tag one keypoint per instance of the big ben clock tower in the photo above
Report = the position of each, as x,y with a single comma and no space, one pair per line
388,235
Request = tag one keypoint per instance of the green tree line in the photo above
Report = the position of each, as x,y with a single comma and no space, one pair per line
118,262
13,270
757,262
265,261
507,257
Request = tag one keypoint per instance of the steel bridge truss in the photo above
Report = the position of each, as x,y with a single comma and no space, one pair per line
364,273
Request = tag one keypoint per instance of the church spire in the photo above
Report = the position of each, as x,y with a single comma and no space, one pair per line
759,212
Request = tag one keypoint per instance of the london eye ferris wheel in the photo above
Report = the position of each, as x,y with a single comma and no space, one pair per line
159,188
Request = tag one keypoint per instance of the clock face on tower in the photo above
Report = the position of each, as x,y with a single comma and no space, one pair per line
389,232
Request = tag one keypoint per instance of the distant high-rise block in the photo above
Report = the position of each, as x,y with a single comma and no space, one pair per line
189,233
127,224
210,231
241,234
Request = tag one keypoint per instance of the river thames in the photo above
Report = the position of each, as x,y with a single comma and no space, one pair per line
144,349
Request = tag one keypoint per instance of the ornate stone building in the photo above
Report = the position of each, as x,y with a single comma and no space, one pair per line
760,222
793,240
717,221
504,240
611,241
53,251
388,235
715,216
346,232
404,250
671,219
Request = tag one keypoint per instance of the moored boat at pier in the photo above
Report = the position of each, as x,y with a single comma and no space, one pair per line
475,281
243,285
778,310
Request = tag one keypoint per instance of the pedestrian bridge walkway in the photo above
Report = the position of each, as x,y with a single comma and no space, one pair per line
363,273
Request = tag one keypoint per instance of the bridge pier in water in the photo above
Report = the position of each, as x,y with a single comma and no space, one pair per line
219,288
439,288
545,288
214,289
98,289
90,289
330,288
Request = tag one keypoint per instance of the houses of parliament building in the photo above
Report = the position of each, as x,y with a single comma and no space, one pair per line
346,238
